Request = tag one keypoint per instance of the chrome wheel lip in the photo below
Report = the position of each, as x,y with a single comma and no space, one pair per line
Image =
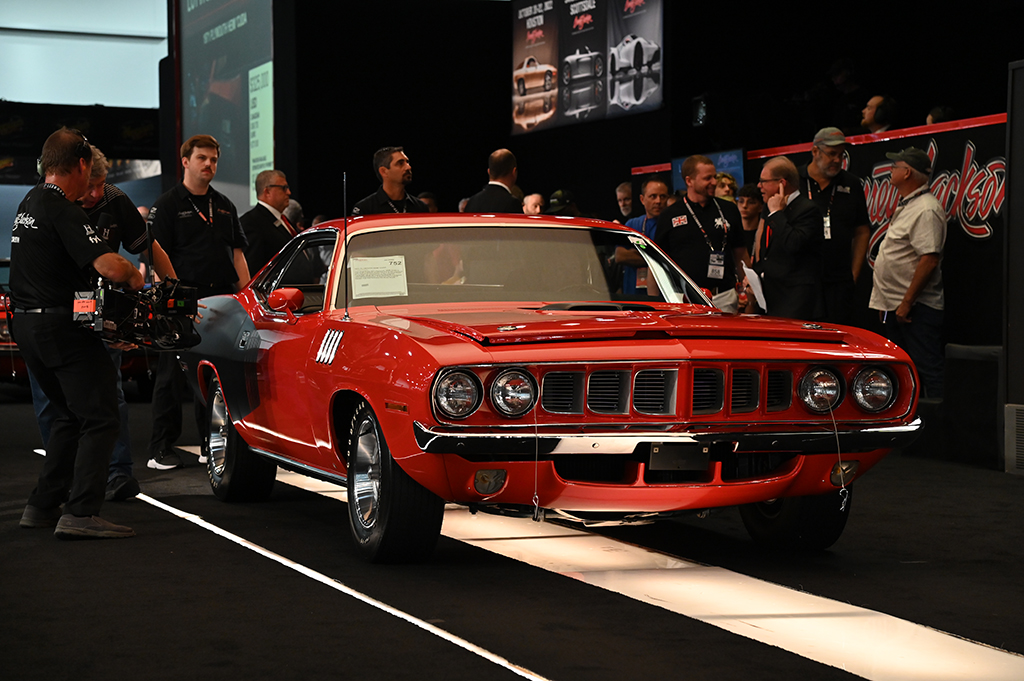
366,473
218,439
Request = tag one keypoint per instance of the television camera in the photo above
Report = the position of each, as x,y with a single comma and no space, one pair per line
158,317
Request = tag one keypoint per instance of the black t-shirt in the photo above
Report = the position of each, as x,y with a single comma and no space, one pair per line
201,251
52,248
843,201
679,234
379,202
118,221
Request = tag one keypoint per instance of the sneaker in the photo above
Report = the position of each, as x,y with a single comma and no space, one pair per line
166,460
90,527
40,517
202,457
121,488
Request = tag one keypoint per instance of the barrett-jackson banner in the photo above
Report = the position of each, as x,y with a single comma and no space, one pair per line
969,180
576,60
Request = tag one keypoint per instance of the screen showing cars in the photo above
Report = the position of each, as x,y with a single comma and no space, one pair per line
578,60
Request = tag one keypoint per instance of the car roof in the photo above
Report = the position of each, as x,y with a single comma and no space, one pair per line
433,220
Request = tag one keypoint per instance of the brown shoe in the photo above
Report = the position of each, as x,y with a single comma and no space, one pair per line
40,517
90,527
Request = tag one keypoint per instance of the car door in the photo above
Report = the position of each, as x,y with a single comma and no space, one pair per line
283,422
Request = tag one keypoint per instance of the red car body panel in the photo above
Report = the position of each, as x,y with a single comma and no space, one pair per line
392,355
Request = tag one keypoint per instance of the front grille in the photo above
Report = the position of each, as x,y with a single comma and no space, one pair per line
562,392
608,392
708,386
780,390
654,391
745,390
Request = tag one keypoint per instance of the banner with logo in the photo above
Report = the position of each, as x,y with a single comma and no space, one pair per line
578,60
969,180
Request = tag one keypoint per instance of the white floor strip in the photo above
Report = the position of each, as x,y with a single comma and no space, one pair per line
338,586
863,642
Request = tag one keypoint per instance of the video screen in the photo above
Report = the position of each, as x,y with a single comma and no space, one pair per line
578,60
227,83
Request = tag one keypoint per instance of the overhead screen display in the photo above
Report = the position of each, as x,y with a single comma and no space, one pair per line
227,86
579,60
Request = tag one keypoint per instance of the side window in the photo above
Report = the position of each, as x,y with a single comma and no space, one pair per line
303,265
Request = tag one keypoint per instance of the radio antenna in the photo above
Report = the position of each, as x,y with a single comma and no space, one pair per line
344,241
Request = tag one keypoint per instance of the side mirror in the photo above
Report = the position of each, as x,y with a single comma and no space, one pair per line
287,300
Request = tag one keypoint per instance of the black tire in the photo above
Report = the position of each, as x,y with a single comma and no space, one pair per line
798,523
236,472
548,81
393,518
638,58
521,87
614,67
598,66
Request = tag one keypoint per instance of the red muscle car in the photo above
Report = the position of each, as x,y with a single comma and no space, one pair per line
492,361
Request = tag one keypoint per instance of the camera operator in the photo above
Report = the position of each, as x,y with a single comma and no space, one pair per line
118,222
52,247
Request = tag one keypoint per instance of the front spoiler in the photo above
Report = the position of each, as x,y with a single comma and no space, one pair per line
518,443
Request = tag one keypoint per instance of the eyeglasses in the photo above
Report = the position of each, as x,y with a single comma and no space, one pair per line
282,187
763,180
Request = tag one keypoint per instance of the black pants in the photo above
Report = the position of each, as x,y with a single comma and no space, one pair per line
74,371
169,386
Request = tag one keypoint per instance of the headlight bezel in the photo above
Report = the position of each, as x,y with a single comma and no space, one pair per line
857,389
440,400
805,386
501,379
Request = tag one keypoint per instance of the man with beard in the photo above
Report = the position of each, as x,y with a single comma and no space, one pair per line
839,196
394,171
704,235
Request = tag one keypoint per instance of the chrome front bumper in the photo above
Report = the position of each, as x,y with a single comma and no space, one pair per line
522,440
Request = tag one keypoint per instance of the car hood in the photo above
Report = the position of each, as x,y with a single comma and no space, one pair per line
557,323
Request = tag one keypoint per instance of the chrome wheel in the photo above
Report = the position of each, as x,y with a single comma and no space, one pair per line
236,472
219,424
392,517
366,472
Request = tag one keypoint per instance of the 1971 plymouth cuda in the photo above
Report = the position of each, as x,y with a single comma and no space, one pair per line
491,361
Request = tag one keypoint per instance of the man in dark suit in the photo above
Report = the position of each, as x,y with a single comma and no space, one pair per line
789,246
266,227
497,197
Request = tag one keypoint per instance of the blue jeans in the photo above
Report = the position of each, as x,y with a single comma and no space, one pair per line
121,459
922,339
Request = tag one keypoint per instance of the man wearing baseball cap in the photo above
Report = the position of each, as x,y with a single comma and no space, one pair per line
907,284
839,196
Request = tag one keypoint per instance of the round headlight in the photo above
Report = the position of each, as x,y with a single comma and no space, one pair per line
820,390
457,394
873,389
513,392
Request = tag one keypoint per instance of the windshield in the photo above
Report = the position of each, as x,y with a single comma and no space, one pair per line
532,264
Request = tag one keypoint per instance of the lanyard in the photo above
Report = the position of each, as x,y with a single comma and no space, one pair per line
200,213
404,206
707,239
831,198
